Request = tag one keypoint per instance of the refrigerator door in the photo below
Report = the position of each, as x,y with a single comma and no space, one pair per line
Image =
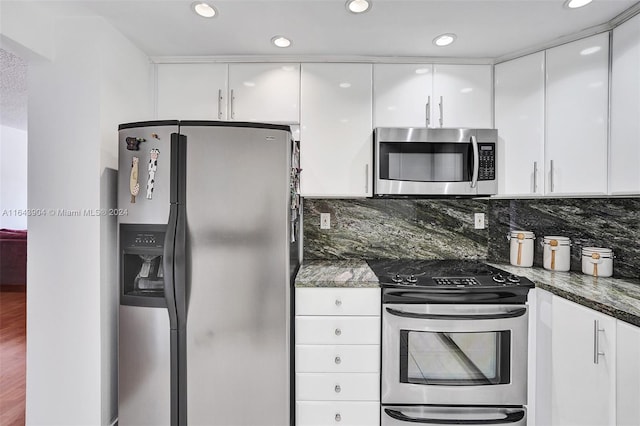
237,268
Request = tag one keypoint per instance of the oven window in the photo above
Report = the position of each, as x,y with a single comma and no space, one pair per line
426,162
455,359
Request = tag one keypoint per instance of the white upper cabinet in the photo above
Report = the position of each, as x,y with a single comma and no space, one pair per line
238,92
192,91
519,103
264,92
462,96
423,95
624,173
577,116
336,130
402,95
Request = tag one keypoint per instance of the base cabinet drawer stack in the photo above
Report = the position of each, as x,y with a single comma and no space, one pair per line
337,356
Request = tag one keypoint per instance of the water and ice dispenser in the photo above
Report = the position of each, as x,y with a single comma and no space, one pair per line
141,265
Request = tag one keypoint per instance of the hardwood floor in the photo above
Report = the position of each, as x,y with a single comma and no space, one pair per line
13,345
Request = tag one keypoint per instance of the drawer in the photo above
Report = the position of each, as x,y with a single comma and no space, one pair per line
338,330
337,358
337,387
325,413
338,301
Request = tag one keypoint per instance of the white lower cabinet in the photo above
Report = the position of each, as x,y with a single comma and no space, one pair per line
628,375
583,363
337,362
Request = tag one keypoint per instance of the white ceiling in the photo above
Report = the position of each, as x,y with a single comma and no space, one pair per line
321,28
485,28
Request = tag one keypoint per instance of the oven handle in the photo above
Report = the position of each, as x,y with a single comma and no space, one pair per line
510,314
513,417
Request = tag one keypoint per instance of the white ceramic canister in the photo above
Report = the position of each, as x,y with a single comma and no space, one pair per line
556,253
597,261
521,245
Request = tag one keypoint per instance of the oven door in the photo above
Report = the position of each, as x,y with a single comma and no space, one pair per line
470,416
454,354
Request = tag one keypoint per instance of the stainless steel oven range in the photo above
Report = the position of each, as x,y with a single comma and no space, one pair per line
454,343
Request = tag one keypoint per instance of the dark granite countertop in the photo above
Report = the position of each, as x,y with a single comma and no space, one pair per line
619,298
336,273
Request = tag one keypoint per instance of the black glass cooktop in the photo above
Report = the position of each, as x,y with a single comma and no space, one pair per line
443,274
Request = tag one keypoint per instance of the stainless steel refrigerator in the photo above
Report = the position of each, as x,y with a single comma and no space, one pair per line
209,243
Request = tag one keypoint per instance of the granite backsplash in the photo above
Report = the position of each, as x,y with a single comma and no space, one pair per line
443,228
394,229
589,222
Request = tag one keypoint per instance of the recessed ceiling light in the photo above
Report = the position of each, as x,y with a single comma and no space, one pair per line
574,4
281,41
422,70
203,9
590,50
444,39
358,6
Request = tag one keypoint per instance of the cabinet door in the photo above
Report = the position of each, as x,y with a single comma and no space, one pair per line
466,92
628,375
576,117
191,91
519,98
583,388
336,130
624,173
264,92
402,95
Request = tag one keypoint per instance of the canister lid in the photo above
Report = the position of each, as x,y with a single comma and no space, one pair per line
560,241
603,252
525,235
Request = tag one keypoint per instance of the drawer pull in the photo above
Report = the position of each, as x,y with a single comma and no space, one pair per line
337,389
338,302
338,332
338,360
338,417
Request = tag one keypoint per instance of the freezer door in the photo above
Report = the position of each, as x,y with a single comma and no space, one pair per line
237,267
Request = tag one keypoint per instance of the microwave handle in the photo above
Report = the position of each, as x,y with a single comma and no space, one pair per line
476,162
513,417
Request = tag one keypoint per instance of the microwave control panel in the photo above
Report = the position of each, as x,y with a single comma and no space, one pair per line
487,169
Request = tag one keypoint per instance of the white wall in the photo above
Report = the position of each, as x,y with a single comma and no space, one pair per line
13,177
96,80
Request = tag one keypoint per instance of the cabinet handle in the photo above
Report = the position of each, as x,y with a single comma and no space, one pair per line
596,341
338,360
535,177
428,111
233,98
338,332
551,185
338,302
366,178
338,417
441,111
337,388
219,103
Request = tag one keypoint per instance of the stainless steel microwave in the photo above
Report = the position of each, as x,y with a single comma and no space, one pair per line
425,162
